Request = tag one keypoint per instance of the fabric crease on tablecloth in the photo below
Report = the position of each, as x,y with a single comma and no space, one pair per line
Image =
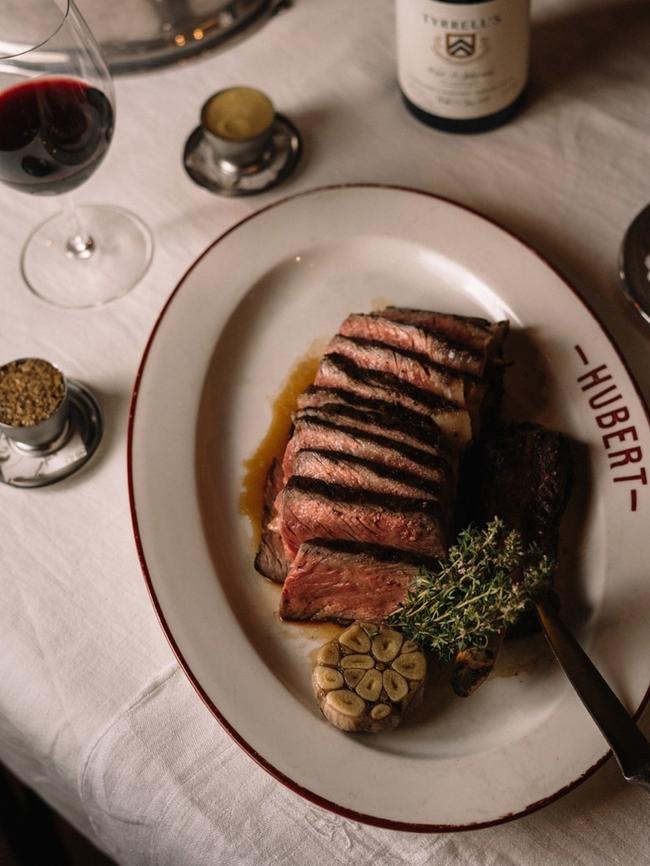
198,785
163,784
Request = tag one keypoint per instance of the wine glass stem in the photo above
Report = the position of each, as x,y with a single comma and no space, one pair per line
80,244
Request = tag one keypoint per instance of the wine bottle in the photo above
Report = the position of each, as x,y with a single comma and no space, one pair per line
462,65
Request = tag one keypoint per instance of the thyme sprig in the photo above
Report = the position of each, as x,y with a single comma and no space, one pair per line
489,578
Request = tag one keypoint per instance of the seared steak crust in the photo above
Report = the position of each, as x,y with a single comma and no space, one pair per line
525,478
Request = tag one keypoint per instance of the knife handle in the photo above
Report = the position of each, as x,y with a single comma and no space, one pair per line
630,748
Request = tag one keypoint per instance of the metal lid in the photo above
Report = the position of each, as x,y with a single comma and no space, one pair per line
634,263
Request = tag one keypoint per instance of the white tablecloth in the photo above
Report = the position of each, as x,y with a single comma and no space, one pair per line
94,712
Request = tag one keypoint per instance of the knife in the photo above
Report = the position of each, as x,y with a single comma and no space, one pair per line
629,746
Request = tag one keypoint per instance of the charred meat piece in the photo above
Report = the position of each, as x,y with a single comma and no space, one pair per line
526,480
342,581
271,560
310,508
524,476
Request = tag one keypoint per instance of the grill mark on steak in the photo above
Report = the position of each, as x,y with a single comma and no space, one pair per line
473,332
425,400
341,493
338,371
449,374
372,422
316,397
374,551
315,509
320,433
342,468
432,345
406,366
471,324
271,560
346,580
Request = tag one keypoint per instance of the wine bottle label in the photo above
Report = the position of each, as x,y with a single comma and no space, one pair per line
462,60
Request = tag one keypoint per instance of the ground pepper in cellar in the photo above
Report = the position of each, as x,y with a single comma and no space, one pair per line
31,390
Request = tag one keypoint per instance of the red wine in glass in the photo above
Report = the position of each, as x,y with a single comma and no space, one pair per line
57,112
54,132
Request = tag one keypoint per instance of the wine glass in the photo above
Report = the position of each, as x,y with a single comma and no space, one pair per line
57,110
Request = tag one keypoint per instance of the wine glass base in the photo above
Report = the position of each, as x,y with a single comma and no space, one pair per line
120,256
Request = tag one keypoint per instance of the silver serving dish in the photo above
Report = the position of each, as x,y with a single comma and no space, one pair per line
141,34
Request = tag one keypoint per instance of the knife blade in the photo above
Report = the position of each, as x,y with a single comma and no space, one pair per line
629,746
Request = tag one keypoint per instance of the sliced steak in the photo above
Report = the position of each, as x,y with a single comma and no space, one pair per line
345,581
315,397
339,372
472,332
411,367
337,467
371,422
315,509
271,560
324,434
437,347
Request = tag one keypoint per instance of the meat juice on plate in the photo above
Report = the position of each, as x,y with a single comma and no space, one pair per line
274,441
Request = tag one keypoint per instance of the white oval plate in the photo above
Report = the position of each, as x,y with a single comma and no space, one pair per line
226,340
